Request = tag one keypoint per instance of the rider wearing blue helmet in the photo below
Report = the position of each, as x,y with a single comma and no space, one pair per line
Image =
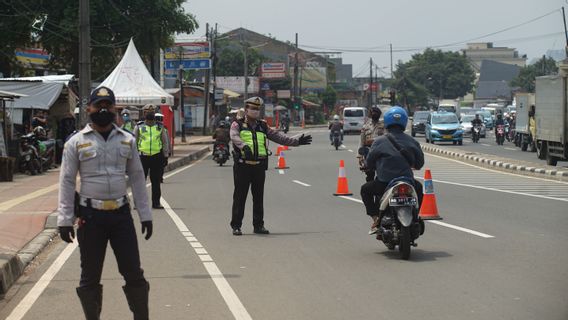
392,155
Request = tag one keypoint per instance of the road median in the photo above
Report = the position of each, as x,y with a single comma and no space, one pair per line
501,164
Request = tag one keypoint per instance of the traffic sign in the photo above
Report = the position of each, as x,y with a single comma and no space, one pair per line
187,64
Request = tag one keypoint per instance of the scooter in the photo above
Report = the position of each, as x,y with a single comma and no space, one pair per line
476,133
336,139
221,153
500,136
29,156
399,223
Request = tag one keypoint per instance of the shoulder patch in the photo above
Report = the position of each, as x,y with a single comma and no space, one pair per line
84,145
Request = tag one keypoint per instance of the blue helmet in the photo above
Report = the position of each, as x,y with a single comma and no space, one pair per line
396,116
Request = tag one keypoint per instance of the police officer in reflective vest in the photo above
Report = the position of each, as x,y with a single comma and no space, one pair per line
128,124
152,141
103,154
250,148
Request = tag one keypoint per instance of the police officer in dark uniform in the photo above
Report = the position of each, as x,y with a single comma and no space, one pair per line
153,145
103,154
250,147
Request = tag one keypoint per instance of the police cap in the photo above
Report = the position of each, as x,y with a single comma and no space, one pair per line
149,108
102,94
254,101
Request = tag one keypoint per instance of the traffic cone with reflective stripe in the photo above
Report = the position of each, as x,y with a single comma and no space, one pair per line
281,161
429,208
342,186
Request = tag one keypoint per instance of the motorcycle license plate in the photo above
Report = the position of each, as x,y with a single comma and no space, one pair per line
447,136
402,202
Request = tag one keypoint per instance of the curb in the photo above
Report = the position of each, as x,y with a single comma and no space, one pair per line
500,165
12,265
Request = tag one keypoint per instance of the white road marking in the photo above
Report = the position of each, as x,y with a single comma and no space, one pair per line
343,146
512,149
25,305
281,171
31,297
487,145
350,150
451,226
6,205
231,299
443,224
301,183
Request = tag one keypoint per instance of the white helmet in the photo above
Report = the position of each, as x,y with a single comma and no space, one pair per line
336,117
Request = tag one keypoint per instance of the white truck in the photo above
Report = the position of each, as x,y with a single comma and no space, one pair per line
551,117
523,138
448,105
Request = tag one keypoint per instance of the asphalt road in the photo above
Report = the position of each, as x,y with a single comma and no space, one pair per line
501,254
489,146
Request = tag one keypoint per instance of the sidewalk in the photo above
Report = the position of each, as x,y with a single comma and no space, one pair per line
527,168
28,204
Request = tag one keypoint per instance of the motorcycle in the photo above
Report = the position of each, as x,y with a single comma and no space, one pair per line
476,133
336,139
221,153
285,126
500,136
399,223
29,156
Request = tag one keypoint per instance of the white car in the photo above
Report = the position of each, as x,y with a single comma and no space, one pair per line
353,119
466,125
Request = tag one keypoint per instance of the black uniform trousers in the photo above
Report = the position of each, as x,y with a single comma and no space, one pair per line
155,165
245,175
372,192
96,229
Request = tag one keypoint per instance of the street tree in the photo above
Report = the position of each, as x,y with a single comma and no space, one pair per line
527,76
230,61
444,75
151,23
329,97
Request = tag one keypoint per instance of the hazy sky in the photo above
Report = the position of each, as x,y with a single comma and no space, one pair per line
327,25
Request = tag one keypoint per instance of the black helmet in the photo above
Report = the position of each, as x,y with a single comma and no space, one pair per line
376,109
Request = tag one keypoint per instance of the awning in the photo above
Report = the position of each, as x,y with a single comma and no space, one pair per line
38,95
10,95
309,104
230,93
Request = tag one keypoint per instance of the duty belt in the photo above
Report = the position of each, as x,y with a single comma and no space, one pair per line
251,162
147,154
105,205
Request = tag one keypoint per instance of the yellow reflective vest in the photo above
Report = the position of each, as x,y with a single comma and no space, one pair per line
256,139
150,139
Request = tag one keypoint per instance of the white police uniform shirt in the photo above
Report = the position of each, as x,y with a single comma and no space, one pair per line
102,166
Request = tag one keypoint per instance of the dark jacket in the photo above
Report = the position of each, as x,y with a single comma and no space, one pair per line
388,162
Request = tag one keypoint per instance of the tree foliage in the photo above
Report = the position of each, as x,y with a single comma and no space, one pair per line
433,73
231,62
526,78
329,97
152,24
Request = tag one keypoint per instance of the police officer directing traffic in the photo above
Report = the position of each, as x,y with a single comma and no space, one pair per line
250,144
153,145
103,154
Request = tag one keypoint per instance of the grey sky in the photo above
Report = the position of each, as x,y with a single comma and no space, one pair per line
406,24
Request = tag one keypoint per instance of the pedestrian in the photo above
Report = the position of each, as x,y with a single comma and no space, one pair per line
103,154
152,142
250,137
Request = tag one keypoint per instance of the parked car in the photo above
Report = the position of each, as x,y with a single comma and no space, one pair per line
419,122
443,127
353,119
466,125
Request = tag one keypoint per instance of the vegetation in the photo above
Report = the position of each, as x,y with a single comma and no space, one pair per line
526,78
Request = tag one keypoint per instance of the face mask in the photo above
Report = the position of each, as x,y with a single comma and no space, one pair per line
102,118
253,114
150,116
126,117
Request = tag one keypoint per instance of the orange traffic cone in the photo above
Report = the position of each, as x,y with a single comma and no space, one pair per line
285,148
278,150
281,161
429,208
342,187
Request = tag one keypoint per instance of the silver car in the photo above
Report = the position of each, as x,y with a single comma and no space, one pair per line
466,125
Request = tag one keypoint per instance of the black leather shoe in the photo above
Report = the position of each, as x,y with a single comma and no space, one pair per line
237,232
261,230
158,207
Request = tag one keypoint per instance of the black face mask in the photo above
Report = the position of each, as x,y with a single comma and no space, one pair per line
103,117
150,116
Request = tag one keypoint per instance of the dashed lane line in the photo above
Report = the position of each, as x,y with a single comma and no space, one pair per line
231,299
301,183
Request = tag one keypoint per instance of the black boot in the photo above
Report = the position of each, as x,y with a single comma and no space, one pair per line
137,297
91,300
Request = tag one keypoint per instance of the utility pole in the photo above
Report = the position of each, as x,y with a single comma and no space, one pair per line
376,96
391,58
181,94
206,86
84,61
565,32
370,82
295,95
245,66
214,69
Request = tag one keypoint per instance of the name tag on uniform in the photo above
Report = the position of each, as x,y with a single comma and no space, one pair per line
126,143
84,145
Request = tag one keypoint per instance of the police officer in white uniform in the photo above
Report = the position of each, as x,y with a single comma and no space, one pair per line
103,154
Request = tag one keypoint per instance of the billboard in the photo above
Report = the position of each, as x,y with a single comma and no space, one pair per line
32,57
237,84
188,51
273,70
314,78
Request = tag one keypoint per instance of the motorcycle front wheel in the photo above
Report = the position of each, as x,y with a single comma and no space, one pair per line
404,245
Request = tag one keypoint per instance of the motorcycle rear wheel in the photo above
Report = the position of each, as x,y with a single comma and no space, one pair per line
404,244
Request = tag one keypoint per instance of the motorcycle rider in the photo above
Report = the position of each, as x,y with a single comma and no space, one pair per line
372,128
286,122
476,122
390,163
222,135
335,126
499,122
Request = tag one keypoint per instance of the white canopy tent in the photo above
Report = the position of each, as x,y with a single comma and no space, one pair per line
132,83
